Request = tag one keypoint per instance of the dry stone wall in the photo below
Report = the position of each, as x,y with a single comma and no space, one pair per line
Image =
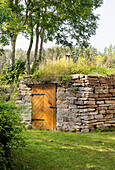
86,103
24,98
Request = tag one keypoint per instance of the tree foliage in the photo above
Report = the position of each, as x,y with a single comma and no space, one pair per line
62,20
11,74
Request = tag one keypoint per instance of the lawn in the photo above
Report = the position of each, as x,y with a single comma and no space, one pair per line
47,150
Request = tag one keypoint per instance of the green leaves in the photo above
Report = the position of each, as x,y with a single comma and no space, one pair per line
10,128
11,74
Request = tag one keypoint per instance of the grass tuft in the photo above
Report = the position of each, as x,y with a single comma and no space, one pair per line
52,69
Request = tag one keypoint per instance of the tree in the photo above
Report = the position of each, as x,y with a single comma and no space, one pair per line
5,14
19,12
63,20
109,61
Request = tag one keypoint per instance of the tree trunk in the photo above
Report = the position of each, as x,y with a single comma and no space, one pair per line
41,45
28,54
37,42
13,45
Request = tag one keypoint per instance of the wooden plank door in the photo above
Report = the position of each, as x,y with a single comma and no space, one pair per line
44,107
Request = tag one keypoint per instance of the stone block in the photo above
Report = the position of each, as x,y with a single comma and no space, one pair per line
89,102
79,102
112,90
71,98
101,120
92,113
110,111
102,111
91,95
102,108
85,130
77,84
90,117
106,125
109,116
110,101
100,102
87,106
105,95
75,76
110,121
94,83
112,107
87,89
101,89
82,99
72,106
98,116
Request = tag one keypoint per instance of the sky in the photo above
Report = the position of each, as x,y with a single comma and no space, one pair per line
105,33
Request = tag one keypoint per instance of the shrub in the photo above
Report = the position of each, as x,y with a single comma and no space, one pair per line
10,128
11,74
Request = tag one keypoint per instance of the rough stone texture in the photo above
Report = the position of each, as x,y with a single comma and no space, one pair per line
87,103
90,103
24,98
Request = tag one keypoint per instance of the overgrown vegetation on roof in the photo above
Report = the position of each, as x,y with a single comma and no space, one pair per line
56,68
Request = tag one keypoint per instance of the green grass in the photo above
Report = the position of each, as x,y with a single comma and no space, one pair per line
47,150
52,69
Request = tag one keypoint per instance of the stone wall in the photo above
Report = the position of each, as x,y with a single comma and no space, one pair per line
24,98
87,103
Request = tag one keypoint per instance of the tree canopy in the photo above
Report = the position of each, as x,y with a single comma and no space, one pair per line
69,22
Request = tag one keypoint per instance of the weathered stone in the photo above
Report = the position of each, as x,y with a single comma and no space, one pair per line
82,99
71,98
110,111
106,125
92,113
109,116
87,89
102,108
85,130
72,106
104,95
110,101
90,117
79,102
87,106
98,116
112,90
102,111
101,89
112,107
89,102
100,102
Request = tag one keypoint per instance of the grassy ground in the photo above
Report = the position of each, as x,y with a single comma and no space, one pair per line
47,150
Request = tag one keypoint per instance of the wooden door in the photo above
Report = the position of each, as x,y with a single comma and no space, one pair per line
44,107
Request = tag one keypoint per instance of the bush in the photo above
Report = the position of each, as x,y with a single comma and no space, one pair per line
10,136
11,74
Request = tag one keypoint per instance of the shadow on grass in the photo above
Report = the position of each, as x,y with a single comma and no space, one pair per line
54,150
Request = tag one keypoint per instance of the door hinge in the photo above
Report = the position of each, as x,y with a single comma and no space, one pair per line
37,94
38,119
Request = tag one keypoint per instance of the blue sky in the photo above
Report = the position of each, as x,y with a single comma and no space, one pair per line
105,34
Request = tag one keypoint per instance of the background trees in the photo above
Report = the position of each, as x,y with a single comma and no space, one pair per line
61,20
